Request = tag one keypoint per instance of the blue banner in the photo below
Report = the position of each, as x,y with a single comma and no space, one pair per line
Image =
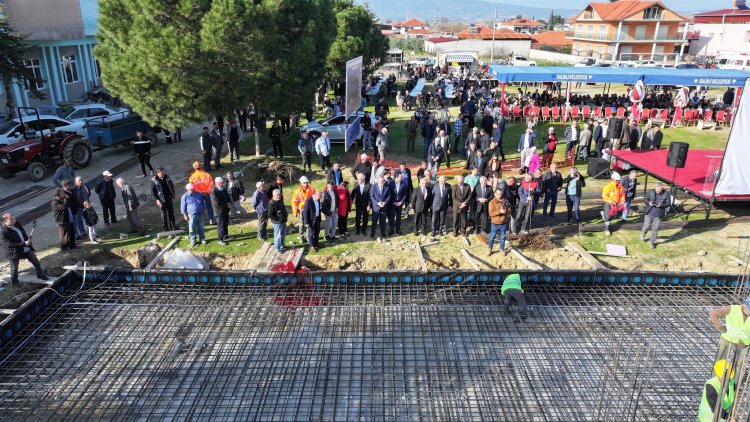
352,131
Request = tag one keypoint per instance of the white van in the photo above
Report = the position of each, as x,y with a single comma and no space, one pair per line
733,61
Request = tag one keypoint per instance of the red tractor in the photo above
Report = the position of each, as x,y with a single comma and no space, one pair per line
41,152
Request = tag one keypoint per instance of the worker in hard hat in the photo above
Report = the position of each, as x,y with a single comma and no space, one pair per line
613,195
735,332
513,290
710,403
203,183
298,202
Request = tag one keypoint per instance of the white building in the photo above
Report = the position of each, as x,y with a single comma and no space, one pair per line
479,40
722,31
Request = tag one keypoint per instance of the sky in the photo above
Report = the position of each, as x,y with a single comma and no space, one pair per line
689,5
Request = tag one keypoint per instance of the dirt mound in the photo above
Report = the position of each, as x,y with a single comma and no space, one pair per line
268,170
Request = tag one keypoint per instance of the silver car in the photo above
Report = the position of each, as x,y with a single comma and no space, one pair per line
335,126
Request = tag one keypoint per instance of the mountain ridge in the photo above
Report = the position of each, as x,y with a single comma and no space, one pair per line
428,10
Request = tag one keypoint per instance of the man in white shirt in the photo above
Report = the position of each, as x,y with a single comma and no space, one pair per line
323,149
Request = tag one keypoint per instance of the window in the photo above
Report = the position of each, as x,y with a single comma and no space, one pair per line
79,114
34,66
69,69
653,12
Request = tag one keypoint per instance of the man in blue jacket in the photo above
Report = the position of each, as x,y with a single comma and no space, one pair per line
380,198
191,208
311,217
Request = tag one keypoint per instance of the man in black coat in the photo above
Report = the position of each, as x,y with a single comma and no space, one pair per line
482,195
205,143
598,138
221,203
441,201
364,167
107,194
162,189
142,147
361,200
311,216
421,200
18,247
64,219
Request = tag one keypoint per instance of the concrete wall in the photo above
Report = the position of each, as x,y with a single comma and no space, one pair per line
553,57
483,47
46,19
717,38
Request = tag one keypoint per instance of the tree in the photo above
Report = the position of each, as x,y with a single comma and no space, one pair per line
357,34
12,51
177,62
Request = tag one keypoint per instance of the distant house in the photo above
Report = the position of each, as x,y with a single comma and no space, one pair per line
479,39
629,30
408,25
721,31
551,40
521,25
418,33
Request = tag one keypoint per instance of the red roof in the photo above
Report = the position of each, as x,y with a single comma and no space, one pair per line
551,38
484,33
726,15
411,23
521,22
419,32
623,9
438,40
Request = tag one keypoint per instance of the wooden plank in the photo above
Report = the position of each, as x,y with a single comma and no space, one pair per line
593,262
469,258
158,257
420,254
297,255
609,254
530,265
169,233
430,244
258,256
268,260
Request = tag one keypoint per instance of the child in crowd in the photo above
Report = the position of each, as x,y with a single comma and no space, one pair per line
91,219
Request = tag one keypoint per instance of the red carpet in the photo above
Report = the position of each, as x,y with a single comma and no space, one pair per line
697,177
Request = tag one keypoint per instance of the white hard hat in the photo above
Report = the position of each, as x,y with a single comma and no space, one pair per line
303,179
106,173
189,186
363,157
616,176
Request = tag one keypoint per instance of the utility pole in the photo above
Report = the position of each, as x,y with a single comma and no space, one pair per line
437,32
494,26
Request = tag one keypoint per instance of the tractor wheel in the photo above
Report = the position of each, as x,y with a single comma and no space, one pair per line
153,138
37,171
78,153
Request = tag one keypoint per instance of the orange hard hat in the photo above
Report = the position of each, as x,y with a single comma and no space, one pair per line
197,165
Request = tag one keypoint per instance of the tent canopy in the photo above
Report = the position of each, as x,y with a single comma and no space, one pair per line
623,75
459,58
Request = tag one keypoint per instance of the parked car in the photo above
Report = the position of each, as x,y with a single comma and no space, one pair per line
335,126
592,62
687,66
645,63
12,131
84,112
522,61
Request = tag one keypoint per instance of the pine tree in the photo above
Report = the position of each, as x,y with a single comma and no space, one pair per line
12,51
551,21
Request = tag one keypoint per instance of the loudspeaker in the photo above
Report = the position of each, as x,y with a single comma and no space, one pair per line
615,128
598,168
677,154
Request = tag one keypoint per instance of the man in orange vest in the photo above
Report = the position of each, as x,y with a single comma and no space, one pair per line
298,202
614,200
203,183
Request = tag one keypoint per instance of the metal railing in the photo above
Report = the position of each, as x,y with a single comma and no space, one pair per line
625,37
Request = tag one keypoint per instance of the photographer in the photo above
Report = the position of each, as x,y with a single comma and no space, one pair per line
657,202
18,247
574,185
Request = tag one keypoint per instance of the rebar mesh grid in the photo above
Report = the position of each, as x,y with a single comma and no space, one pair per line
363,352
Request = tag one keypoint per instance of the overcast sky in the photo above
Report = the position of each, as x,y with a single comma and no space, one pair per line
689,5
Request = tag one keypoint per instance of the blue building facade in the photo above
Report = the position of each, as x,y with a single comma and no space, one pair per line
63,35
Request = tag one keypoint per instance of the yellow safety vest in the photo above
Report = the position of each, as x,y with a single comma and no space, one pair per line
738,328
705,412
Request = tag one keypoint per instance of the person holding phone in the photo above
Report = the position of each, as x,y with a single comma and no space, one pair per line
574,185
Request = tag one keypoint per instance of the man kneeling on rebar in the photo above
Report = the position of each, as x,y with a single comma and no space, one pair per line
512,290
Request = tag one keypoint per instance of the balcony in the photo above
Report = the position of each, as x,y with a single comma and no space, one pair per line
626,37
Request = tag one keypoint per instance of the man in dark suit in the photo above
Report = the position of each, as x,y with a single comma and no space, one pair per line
441,200
421,200
435,154
409,185
598,138
18,247
221,202
480,162
460,198
364,167
311,215
400,195
380,198
482,196
361,200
